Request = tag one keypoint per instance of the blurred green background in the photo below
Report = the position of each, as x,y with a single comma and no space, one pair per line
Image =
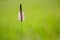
42,20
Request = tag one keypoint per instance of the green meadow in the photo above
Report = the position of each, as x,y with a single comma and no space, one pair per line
42,20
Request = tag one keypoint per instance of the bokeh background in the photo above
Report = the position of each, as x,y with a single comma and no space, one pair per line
42,20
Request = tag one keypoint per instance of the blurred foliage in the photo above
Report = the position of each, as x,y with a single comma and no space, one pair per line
42,20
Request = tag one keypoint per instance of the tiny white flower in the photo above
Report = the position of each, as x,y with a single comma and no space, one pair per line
19,16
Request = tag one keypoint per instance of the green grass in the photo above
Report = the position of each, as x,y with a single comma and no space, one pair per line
42,20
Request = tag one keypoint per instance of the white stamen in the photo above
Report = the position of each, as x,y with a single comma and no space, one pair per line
19,16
